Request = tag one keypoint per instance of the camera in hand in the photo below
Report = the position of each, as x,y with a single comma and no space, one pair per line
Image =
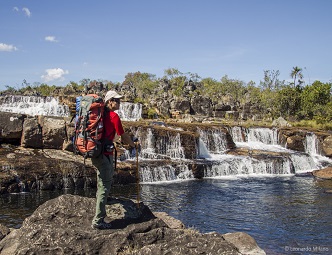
109,148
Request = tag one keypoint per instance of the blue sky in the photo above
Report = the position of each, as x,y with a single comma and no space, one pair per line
61,41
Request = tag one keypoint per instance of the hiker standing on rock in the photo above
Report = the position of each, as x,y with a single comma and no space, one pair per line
104,163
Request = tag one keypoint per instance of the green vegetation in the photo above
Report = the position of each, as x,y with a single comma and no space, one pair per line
307,104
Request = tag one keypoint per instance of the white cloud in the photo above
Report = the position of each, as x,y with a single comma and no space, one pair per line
15,9
26,11
7,47
50,38
54,74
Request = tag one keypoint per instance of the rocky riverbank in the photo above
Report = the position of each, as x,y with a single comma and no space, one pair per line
36,152
62,226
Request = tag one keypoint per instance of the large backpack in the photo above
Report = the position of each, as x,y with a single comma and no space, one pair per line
89,126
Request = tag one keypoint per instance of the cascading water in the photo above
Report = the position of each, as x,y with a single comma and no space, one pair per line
311,144
263,135
238,134
265,140
163,146
211,145
166,146
311,148
214,140
33,105
130,111
236,165
165,173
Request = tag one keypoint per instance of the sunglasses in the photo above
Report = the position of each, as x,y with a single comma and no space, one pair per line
116,100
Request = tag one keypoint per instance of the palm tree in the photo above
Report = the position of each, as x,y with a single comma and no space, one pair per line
297,73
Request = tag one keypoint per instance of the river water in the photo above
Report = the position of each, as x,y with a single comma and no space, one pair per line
280,212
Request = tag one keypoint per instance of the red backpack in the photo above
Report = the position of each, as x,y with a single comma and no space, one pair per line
89,126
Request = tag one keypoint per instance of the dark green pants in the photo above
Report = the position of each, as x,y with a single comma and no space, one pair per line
105,173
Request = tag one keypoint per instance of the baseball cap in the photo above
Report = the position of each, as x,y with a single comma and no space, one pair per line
111,94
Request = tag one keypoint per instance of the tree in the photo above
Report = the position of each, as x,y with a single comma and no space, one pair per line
141,84
288,101
297,74
271,80
315,100
232,87
211,88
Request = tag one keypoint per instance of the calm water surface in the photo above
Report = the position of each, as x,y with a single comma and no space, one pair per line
279,212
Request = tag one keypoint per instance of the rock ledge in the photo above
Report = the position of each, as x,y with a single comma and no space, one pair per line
62,226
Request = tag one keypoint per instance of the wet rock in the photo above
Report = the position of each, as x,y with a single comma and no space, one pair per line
296,143
327,146
26,169
62,226
325,173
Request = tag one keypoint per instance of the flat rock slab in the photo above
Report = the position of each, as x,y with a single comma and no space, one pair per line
63,226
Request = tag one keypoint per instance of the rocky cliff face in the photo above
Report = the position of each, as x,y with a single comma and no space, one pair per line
62,226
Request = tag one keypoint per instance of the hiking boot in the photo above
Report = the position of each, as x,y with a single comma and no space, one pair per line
102,225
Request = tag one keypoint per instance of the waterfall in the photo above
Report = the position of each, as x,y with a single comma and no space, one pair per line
237,133
303,163
214,140
165,173
237,165
278,160
263,135
166,145
33,105
311,144
203,152
130,111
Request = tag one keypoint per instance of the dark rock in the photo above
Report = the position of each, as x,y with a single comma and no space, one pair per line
296,143
183,105
222,107
201,105
62,226
25,169
11,126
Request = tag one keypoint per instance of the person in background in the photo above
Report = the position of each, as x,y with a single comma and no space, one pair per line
104,163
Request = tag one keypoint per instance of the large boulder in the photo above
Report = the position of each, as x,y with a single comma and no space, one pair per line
296,143
62,226
281,122
201,105
11,126
54,132
32,133
327,146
